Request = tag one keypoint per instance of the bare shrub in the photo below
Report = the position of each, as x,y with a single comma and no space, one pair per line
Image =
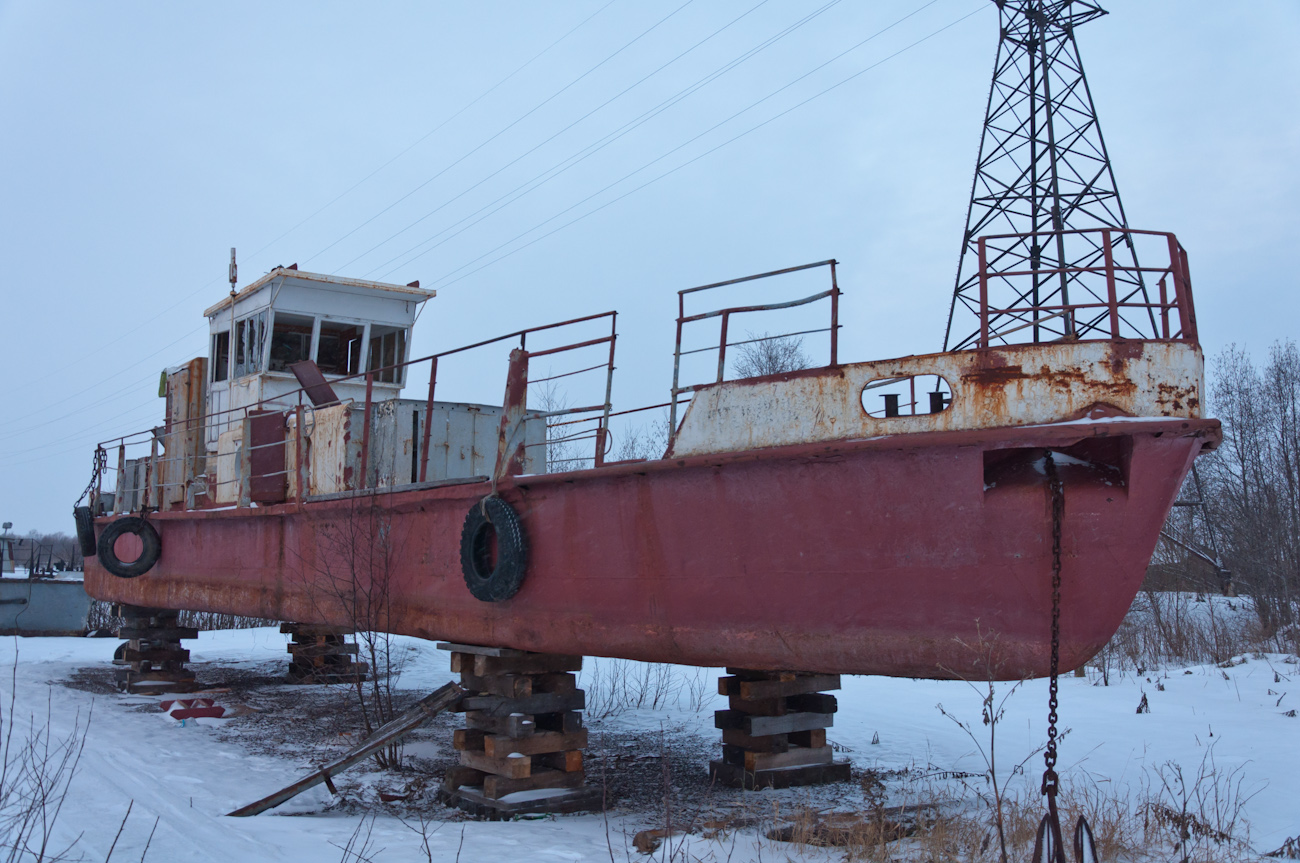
1200,814
351,575
769,355
648,441
36,771
615,686
1178,628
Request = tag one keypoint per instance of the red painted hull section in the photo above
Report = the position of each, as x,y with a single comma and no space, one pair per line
895,556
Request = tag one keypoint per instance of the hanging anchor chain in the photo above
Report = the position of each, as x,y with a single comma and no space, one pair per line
1049,847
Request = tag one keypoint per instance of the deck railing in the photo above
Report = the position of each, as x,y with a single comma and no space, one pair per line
151,492
1038,307
833,294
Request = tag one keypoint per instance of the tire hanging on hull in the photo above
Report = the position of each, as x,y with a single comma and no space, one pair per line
150,541
488,580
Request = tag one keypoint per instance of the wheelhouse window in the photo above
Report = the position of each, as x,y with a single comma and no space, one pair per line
250,344
290,341
339,351
221,355
387,349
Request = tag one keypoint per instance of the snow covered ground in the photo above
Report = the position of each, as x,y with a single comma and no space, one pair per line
185,777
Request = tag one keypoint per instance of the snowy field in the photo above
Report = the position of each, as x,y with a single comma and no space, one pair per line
180,779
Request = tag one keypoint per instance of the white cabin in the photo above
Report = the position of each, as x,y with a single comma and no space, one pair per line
346,326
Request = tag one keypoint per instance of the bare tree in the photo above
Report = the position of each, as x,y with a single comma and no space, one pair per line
648,441
1252,482
352,574
769,355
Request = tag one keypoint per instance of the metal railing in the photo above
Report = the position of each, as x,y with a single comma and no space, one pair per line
1113,290
833,294
151,490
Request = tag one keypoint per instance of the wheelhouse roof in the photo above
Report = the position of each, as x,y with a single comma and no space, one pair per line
359,286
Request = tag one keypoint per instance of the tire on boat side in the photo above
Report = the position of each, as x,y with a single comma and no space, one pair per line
502,581
148,538
85,530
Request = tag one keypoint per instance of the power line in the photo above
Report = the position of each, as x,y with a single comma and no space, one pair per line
184,299
446,278
480,97
541,144
581,155
502,131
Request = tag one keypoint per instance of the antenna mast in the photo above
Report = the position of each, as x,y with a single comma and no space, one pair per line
1043,172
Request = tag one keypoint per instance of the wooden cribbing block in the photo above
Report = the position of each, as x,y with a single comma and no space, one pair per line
569,762
795,756
813,739
513,725
567,721
480,650
145,633
530,663
515,767
774,732
767,743
524,732
545,702
504,685
763,707
468,739
789,777
759,726
754,690
541,742
153,654
499,786
324,649
458,775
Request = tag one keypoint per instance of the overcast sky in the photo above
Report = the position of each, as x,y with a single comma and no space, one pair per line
140,141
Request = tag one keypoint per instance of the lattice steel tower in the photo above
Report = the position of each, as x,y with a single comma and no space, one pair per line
1043,172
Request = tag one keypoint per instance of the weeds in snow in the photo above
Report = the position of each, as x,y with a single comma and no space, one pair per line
614,686
36,771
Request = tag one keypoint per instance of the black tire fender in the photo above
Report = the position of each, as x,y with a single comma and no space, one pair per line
502,581
148,538
85,530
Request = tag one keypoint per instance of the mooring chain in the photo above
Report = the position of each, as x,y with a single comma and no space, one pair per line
100,461
1058,513
1049,829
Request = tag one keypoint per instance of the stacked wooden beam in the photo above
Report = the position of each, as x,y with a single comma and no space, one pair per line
151,658
322,654
523,732
774,734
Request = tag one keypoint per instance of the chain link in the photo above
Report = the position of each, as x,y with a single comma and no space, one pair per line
1058,512
100,462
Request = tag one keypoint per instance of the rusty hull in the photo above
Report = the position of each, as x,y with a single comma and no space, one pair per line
894,555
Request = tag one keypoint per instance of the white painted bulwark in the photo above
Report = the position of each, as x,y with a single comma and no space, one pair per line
992,388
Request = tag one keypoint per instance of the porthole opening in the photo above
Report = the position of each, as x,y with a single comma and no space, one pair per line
905,396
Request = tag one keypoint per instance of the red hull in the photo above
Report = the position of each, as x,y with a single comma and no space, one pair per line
887,556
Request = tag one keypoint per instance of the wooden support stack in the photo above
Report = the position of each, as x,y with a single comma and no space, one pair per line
151,658
774,735
322,654
523,732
